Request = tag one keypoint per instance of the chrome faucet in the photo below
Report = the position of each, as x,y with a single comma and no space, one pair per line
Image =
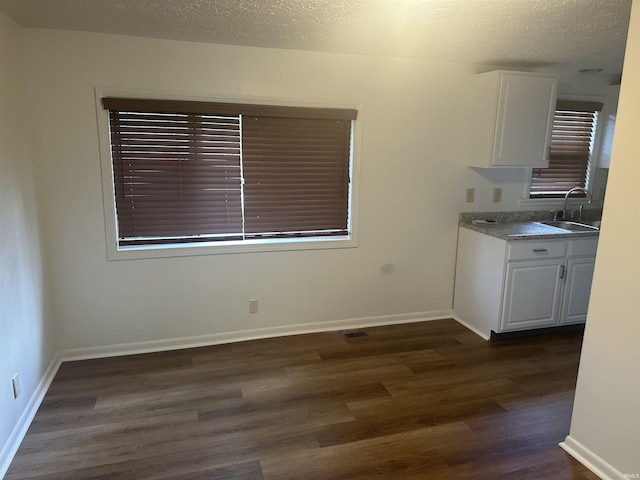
561,215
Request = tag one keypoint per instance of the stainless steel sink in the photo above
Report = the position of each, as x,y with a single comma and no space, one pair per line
572,226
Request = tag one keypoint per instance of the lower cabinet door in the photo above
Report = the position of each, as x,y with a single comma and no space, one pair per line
577,290
532,294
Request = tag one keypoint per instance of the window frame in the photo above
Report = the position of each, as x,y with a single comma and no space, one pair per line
116,252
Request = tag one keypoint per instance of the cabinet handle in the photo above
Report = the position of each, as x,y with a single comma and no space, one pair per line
539,250
562,271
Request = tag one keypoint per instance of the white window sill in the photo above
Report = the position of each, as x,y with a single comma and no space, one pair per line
555,203
231,247
541,203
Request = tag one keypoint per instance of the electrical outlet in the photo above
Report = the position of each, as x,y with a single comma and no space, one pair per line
471,195
387,269
15,383
253,305
497,195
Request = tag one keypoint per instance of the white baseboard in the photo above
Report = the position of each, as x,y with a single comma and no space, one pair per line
242,335
20,430
470,327
590,460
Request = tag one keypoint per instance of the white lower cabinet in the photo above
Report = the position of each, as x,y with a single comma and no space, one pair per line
506,286
577,290
532,294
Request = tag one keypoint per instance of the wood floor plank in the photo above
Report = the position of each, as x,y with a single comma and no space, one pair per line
423,400
314,392
192,465
549,463
409,455
85,446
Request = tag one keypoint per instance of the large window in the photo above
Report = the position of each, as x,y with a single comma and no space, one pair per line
187,172
574,126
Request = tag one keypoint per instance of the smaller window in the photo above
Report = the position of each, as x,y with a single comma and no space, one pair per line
574,125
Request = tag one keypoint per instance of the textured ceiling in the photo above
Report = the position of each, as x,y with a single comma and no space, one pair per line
526,33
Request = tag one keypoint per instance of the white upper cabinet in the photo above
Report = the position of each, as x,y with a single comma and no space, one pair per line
513,117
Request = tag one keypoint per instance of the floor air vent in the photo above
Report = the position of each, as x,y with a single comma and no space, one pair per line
355,334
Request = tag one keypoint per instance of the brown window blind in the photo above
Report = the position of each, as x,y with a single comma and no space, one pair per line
201,171
296,176
570,150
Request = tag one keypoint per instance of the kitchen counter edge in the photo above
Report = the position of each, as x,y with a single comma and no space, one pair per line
523,225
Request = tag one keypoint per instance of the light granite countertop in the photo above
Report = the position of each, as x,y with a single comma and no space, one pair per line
523,225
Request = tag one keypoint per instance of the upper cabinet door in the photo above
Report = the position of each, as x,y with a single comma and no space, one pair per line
526,105
513,119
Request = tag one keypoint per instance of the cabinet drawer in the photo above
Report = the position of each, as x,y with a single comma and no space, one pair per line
583,247
532,249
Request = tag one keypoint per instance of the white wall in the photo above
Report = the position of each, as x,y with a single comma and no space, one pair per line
407,215
25,337
412,177
606,415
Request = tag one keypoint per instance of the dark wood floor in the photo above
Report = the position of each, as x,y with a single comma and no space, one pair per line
421,401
